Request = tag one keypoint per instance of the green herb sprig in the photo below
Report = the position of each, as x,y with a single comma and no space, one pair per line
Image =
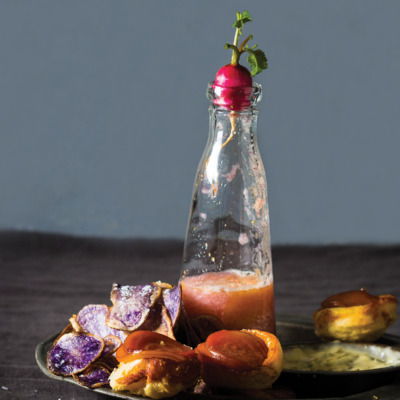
256,57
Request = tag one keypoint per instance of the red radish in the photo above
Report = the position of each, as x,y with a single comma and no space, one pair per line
233,76
233,87
233,82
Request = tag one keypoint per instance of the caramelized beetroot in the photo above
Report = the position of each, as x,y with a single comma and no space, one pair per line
236,350
146,344
349,299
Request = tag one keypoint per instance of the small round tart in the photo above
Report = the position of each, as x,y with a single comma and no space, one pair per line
154,365
355,316
246,359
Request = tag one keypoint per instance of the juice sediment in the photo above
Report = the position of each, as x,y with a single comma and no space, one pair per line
240,300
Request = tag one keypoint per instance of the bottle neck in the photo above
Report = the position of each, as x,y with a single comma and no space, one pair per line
238,125
235,127
236,99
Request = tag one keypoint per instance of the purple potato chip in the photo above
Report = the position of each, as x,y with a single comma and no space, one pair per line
172,299
153,319
159,321
109,362
94,376
111,344
68,329
131,305
165,327
163,285
75,326
92,319
73,353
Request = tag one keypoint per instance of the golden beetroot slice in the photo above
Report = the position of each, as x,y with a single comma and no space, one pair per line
92,319
74,352
93,377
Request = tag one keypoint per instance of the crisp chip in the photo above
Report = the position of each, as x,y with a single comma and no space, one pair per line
74,324
172,299
131,305
92,319
109,362
159,321
163,285
93,377
74,352
69,328
165,327
111,344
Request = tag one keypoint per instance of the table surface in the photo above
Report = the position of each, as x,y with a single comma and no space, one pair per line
46,278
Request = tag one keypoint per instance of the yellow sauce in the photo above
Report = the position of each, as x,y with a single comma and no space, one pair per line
334,358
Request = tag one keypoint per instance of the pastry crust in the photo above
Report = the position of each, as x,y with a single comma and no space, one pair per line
154,365
356,323
155,378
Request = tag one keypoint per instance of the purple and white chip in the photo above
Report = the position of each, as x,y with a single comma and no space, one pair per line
74,352
131,305
93,377
172,299
92,319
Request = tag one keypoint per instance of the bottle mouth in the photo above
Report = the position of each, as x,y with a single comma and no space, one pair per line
234,98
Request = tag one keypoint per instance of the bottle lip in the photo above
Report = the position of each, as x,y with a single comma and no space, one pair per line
234,98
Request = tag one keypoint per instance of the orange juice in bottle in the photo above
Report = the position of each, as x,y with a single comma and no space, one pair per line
238,299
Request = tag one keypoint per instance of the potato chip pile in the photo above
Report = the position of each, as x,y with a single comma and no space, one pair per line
85,349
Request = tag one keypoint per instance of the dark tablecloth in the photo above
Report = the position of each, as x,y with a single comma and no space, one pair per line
46,278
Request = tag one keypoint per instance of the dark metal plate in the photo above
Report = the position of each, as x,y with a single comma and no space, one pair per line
290,330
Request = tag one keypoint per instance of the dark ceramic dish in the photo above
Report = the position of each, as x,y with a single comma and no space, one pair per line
316,383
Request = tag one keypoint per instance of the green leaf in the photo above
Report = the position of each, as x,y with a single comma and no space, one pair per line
257,61
238,24
245,16
241,20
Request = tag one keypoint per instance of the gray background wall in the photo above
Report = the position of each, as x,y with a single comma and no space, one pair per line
103,114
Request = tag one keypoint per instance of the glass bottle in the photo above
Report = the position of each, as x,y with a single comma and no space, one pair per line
226,278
